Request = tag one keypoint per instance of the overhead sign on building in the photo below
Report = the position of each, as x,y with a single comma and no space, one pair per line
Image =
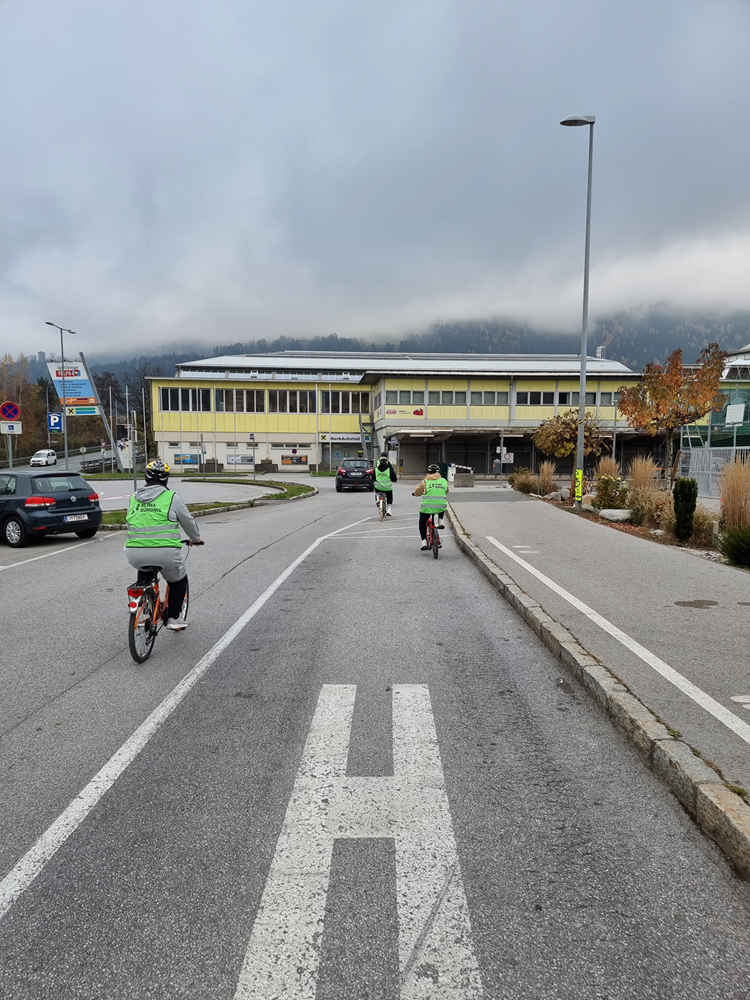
404,411
82,411
78,390
342,437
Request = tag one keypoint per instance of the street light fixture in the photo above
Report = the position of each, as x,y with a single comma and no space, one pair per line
575,120
62,367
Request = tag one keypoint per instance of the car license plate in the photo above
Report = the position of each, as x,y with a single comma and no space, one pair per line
77,517
356,473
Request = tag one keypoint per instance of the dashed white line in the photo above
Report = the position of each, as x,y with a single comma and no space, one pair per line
696,694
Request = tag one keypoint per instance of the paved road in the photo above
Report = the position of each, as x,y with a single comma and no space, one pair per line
382,787
115,494
691,613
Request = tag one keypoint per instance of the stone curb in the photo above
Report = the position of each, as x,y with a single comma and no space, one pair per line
223,510
718,811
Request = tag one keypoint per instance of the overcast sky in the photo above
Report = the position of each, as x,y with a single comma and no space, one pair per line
220,170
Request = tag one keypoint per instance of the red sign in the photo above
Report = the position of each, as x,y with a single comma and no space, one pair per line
10,411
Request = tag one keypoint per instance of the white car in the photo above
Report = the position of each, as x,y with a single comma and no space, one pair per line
44,457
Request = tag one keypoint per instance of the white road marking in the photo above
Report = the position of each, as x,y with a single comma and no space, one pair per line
743,699
700,697
434,929
20,877
57,552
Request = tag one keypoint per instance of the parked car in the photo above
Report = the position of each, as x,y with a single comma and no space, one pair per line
44,457
35,504
355,472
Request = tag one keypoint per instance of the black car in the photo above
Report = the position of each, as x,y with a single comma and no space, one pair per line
355,472
35,504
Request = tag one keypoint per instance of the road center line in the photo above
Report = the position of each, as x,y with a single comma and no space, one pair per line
700,697
434,929
20,877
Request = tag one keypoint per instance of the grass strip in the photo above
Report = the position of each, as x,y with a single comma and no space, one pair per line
118,516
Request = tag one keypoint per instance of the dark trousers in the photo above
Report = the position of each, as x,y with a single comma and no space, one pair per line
177,592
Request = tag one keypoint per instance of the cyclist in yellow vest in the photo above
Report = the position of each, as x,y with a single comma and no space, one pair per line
434,491
155,516
385,477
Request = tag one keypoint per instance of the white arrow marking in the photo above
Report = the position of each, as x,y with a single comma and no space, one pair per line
436,954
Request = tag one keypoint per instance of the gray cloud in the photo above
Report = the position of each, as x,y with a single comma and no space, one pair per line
189,171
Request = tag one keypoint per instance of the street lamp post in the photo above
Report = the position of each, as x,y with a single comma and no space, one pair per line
574,120
62,367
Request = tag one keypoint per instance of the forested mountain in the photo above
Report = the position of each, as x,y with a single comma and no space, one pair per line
634,338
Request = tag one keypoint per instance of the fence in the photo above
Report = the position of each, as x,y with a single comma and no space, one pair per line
706,465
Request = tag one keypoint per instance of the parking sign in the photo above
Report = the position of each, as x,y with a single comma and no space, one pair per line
54,422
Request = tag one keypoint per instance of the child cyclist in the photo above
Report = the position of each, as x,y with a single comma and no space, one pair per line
385,477
434,490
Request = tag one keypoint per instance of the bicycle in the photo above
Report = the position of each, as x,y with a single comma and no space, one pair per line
382,502
147,610
433,536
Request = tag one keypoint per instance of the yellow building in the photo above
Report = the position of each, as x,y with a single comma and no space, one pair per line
295,409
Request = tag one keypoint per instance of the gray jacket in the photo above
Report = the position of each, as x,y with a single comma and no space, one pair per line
177,511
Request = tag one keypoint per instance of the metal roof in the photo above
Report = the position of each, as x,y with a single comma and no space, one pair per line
375,364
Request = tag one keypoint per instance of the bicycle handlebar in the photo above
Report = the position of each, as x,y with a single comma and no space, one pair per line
189,541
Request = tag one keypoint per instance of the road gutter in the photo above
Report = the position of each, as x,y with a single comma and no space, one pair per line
719,812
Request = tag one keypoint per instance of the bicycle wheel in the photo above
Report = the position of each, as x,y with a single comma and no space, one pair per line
141,634
381,507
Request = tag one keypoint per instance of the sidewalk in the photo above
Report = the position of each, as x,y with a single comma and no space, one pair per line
691,613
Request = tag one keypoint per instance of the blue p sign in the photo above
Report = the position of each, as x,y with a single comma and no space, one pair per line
54,421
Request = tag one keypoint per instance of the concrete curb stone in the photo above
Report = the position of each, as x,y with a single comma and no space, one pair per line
720,813
224,510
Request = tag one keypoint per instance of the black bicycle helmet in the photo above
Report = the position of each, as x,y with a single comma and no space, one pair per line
157,473
384,454
433,468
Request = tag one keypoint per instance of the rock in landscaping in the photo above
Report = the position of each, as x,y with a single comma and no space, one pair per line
616,515
565,494
588,499
657,531
588,507
554,496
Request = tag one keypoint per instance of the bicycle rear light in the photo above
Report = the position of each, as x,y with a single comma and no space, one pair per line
134,596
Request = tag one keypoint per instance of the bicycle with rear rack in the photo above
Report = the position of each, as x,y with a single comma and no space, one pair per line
382,502
148,609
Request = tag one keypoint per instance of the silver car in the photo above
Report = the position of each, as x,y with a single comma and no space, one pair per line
44,457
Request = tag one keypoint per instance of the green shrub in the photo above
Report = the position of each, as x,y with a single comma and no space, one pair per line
703,526
734,543
611,493
684,496
651,508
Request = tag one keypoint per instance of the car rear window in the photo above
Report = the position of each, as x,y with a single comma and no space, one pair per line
354,463
58,484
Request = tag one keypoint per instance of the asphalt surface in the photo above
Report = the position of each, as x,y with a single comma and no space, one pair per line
692,613
484,832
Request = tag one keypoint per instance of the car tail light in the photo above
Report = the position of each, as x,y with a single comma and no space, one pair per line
40,502
341,472
370,472
134,596
94,497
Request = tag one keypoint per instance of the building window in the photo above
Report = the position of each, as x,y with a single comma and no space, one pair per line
378,397
344,402
459,399
489,399
433,398
563,398
391,396
522,398
476,398
404,397
535,399
590,399
501,398
173,444
446,399
605,399
548,399
187,400
417,398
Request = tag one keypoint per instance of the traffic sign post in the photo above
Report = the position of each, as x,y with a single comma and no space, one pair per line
10,425
10,412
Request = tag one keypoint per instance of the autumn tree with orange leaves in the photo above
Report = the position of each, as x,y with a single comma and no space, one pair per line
669,397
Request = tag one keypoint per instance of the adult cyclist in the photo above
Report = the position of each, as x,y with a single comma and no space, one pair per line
385,477
434,491
155,516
